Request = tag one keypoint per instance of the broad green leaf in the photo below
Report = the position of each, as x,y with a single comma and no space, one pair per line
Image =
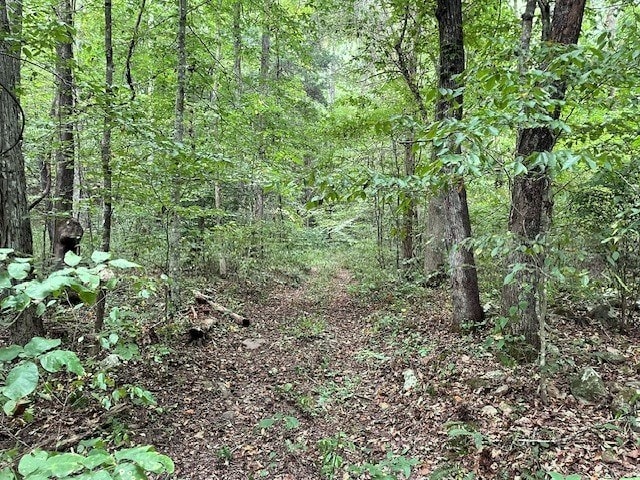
129,471
4,253
96,458
39,345
122,263
21,381
9,407
97,475
10,353
100,257
144,456
266,422
56,360
31,462
7,474
72,259
18,271
5,280
64,464
89,278
87,295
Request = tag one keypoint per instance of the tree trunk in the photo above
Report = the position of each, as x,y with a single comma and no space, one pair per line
15,227
465,293
175,220
409,212
406,61
106,155
237,43
524,298
65,152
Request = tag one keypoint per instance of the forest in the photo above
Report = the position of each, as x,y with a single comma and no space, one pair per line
319,239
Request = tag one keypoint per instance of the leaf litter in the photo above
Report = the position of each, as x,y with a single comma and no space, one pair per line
341,387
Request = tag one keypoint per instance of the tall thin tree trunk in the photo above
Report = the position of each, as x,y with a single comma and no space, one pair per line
15,227
176,194
465,294
65,153
237,43
409,214
105,152
531,207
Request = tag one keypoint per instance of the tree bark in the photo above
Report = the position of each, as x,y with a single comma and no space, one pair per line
105,152
65,153
465,293
409,213
175,221
237,43
15,227
434,245
531,206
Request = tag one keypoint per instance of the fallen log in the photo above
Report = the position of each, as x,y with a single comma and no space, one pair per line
239,319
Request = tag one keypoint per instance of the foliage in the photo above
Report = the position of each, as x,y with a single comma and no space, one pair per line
96,463
46,292
33,368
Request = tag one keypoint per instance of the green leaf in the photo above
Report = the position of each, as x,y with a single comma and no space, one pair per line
9,353
96,458
21,381
39,345
291,422
64,464
266,422
56,360
146,458
89,277
97,475
32,462
87,295
129,471
9,407
100,257
122,263
4,253
5,280
7,474
18,271
72,259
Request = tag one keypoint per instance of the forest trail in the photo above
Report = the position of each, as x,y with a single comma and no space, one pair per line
323,380
333,381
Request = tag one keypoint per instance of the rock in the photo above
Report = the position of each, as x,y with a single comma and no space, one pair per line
502,390
495,375
588,386
554,392
626,401
611,355
410,380
489,411
253,343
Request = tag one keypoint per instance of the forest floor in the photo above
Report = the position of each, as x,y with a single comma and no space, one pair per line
329,384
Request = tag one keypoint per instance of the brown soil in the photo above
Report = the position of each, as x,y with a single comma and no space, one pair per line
322,382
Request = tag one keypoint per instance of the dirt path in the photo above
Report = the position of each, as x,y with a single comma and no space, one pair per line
322,381
327,385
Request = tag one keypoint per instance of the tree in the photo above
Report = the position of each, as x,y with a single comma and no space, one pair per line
524,297
15,227
105,153
65,152
175,234
464,279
